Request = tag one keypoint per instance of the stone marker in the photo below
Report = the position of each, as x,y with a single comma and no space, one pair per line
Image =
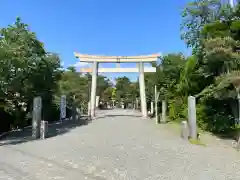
36,117
63,106
97,101
122,105
74,112
164,111
137,103
192,120
156,96
78,113
184,130
44,129
89,109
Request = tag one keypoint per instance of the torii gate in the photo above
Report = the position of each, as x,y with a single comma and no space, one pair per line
140,60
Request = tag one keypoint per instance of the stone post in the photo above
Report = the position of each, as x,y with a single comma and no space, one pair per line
74,112
89,109
44,129
184,130
94,88
238,97
81,110
142,90
63,107
156,104
97,101
164,111
78,113
36,117
122,105
192,120
136,103
152,109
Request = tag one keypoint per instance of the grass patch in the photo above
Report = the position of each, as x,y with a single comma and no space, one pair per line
197,142
175,128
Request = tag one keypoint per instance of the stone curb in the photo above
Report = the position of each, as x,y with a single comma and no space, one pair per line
4,134
53,123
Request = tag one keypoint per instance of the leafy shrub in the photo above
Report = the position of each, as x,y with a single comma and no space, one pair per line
177,109
215,116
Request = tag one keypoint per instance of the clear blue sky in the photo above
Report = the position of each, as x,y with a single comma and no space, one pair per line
105,27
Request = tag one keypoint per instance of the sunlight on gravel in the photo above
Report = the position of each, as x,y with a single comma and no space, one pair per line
119,145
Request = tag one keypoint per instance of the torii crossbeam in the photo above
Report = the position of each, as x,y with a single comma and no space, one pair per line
118,70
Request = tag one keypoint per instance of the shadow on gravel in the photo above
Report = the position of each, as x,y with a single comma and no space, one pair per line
54,129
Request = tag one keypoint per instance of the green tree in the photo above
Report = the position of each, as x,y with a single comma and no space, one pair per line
194,17
126,90
107,94
26,70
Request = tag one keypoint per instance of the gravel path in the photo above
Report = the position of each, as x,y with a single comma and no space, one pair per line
115,147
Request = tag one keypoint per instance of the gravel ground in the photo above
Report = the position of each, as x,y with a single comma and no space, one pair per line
117,145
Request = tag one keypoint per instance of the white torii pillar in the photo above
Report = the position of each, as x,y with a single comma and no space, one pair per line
142,90
94,88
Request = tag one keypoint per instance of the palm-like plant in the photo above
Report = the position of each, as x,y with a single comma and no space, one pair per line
185,82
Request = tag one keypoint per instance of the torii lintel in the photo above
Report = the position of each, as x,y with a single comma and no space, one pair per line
116,59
